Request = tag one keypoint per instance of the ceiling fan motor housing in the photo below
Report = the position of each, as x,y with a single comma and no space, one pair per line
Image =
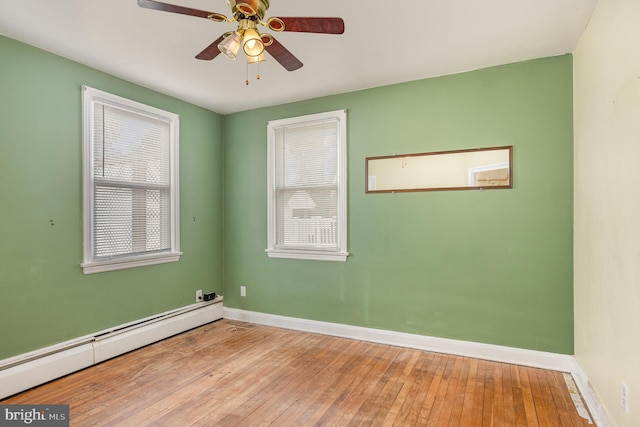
249,8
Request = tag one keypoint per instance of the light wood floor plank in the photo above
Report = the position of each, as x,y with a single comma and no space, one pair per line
508,400
389,390
488,395
440,405
408,402
459,394
237,374
475,410
527,398
437,367
402,380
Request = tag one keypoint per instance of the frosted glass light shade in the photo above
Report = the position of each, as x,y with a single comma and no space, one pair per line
230,45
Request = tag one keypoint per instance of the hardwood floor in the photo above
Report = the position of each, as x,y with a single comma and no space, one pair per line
231,373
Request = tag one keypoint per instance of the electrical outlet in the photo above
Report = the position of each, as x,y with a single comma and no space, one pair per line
625,398
243,291
199,295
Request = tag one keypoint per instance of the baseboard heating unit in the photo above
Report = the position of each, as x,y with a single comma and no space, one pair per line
31,369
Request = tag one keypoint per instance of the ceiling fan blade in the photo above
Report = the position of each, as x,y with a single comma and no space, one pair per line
283,56
210,51
165,7
312,25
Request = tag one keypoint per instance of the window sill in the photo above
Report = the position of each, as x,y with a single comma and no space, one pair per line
308,255
119,264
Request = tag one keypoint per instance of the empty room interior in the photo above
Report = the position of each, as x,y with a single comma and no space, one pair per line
266,238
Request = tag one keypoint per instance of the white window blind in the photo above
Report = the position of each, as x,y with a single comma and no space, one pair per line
308,187
131,191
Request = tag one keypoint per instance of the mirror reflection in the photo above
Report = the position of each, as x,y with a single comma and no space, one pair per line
477,168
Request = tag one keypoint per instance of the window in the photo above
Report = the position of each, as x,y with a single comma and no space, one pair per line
307,187
130,154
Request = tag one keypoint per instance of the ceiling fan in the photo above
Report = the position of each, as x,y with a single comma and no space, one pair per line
249,14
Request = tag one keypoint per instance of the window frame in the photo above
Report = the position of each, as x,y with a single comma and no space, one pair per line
90,264
275,251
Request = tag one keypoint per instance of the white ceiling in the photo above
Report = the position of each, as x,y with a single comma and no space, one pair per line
385,42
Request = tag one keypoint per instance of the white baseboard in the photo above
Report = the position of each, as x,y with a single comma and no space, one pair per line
29,370
598,413
533,358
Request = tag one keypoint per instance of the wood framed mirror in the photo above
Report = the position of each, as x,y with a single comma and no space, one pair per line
471,169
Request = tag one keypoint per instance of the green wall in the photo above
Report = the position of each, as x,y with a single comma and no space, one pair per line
489,266
44,296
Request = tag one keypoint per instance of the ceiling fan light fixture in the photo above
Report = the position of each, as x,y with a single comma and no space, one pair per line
249,14
230,45
252,43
